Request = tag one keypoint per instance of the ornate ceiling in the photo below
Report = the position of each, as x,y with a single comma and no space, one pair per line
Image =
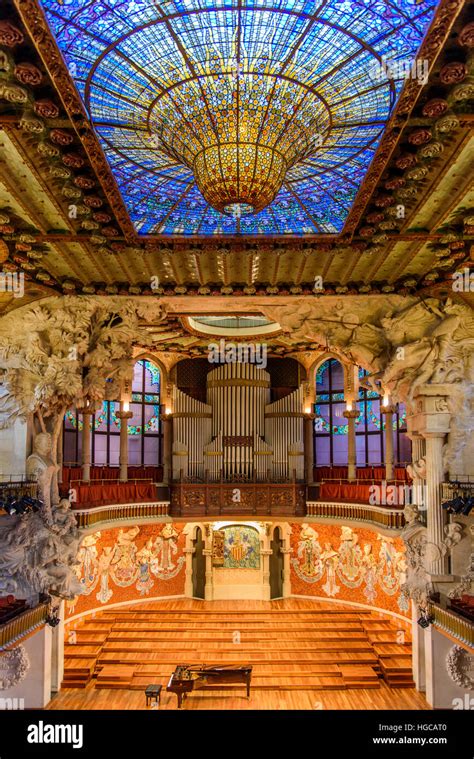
65,226
179,92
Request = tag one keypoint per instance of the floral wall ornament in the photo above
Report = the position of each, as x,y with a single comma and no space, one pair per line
417,173
73,160
46,109
60,172
395,184
47,150
459,665
5,61
454,72
10,35
431,150
406,161
30,123
14,666
13,93
435,107
419,137
27,73
466,35
60,137
463,91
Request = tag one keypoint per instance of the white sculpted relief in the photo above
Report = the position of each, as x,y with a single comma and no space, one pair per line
40,557
402,342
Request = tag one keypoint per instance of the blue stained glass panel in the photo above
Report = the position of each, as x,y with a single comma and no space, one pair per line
128,57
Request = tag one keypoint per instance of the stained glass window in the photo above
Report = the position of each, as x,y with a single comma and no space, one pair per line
330,426
172,87
144,428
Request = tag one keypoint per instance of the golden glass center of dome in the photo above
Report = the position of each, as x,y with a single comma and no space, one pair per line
239,134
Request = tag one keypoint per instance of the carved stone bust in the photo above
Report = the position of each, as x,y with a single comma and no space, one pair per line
40,467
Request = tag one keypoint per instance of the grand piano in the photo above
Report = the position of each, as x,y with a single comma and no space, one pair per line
187,678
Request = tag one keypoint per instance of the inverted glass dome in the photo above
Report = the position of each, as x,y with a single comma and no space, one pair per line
221,116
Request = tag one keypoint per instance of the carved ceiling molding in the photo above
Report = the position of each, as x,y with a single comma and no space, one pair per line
37,27
443,21
439,117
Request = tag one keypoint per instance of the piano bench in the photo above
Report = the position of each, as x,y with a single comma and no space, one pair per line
153,693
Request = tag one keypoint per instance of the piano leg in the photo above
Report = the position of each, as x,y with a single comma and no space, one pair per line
180,699
248,687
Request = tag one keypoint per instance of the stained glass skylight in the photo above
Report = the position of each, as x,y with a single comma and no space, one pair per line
312,81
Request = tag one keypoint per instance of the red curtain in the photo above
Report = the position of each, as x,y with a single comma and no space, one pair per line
356,493
120,492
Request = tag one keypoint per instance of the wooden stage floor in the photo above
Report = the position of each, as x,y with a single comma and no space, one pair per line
305,655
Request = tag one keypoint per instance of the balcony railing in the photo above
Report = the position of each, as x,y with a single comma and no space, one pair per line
18,627
93,517
390,518
238,499
457,626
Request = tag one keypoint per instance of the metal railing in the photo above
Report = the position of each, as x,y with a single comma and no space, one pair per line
18,627
392,519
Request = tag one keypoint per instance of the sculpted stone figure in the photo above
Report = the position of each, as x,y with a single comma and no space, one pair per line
41,469
38,556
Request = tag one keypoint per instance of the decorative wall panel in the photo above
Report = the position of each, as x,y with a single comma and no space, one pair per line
348,564
128,564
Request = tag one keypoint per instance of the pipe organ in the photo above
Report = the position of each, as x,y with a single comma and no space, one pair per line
238,435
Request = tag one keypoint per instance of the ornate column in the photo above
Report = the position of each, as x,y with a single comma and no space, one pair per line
167,422
86,444
188,578
124,416
308,422
209,588
431,420
286,571
351,416
60,457
388,411
266,553
435,516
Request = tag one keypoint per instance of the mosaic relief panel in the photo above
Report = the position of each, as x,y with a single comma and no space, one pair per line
129,563
241,547
349,564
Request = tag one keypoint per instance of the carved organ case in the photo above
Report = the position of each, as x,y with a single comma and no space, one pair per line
238,435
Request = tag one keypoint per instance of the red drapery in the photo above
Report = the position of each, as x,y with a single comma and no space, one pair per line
120,492
154,473
374,473
357,492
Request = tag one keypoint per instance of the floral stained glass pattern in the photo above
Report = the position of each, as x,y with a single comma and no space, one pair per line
225,116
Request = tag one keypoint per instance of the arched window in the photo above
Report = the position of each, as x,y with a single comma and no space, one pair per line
144,427
370,429
330,426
